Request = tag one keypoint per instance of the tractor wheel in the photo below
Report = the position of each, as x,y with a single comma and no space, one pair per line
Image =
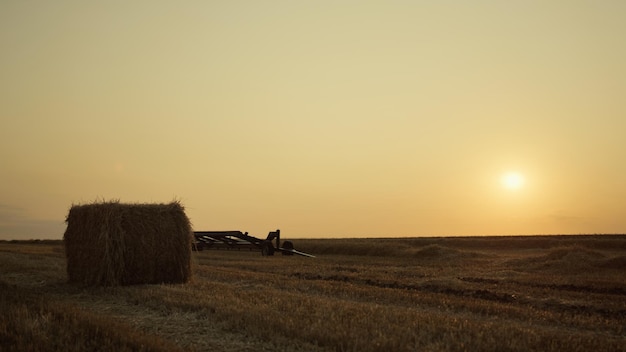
267,248
289,246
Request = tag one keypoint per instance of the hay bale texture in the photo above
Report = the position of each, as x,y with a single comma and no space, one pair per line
110,244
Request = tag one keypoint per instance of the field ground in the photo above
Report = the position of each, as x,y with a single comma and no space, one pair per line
540,293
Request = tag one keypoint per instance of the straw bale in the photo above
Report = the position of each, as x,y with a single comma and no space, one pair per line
111,243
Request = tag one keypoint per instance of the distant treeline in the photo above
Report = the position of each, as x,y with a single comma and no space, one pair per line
32,241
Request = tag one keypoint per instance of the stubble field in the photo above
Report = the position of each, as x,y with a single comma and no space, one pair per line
539,293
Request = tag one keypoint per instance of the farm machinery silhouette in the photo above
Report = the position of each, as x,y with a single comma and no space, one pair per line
241,240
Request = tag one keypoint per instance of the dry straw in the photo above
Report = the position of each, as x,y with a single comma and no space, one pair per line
110,244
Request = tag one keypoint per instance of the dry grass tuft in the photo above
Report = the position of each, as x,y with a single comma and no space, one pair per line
435,251
618,263
111,243
564,259
573,254
33,322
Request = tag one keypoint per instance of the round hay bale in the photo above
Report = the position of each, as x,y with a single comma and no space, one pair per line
111,243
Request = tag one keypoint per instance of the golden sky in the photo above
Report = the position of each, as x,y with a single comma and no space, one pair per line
322,118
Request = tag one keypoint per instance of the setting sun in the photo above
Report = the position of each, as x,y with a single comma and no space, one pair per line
512,180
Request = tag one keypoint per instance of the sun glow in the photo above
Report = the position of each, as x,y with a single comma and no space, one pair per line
512,180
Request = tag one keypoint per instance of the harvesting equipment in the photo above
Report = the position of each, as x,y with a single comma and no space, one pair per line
239,240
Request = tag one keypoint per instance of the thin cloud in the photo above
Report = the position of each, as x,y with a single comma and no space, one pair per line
15,224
